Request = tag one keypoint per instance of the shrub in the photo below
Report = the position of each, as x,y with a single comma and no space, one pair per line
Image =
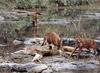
24,4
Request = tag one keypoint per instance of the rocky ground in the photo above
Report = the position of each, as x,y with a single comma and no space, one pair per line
15,60
12,61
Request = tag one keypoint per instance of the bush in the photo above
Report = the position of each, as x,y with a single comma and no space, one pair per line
24,4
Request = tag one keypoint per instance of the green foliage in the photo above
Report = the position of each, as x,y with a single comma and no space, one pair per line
62,30
71,10
10,28
7,4
24,4
29,4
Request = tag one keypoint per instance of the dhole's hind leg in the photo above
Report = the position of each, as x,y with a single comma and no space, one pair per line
94,53
98,54
78,55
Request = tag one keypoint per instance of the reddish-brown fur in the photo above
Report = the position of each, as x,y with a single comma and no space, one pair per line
52,38
34,18
84,43
34,22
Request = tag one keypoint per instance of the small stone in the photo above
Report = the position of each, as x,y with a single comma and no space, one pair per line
5,68
16,42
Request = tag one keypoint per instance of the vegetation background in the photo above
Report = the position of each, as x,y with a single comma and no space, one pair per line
64,10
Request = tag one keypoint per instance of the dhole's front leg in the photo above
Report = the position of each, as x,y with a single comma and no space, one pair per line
73,52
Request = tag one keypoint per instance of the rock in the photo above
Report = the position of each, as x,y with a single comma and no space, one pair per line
9,16
68,48
20,39
29,42
26,51
54,22
98,38
28,67
2,59
22,13
47,71
38,69
20,52
39,41
62,67
94,62
1,18
5,69
21,57
54,59
98,43
33,41
1,45
68,41
17,42
92,15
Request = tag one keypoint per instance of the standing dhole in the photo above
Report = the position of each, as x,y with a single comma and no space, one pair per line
52,38
84,43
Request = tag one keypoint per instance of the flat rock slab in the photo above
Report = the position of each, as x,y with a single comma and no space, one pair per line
50,67
23,67
74,66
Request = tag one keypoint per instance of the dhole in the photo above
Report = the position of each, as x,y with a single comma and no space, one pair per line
84,43
52,38
34,22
